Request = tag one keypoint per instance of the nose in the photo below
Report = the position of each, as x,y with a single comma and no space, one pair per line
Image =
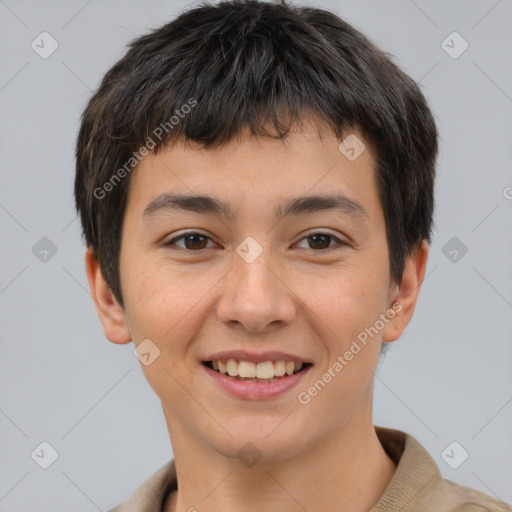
255,296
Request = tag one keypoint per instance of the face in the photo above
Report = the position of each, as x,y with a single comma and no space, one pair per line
256,280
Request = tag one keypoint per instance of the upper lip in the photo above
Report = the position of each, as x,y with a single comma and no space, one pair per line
253,357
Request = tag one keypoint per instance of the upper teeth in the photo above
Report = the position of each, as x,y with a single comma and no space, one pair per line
265,370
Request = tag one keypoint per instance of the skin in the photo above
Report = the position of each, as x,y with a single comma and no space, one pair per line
297,297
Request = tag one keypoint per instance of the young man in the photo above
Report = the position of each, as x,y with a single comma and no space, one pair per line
255,183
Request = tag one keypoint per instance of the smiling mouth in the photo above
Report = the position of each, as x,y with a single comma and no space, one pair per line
268,371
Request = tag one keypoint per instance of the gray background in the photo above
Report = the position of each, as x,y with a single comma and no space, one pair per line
447,379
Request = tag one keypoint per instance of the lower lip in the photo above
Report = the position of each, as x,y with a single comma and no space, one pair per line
256,390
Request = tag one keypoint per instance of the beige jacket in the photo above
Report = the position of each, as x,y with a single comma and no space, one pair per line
416,486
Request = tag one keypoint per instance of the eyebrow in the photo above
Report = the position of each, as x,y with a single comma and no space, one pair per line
294,206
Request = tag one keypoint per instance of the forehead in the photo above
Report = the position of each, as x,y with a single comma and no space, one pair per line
253,172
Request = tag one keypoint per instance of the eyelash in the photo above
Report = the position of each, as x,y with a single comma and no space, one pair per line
172,242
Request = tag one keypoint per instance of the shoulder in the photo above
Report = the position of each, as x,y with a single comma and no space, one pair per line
418,486
458,498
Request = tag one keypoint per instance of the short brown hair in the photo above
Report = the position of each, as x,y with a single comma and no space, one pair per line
252,64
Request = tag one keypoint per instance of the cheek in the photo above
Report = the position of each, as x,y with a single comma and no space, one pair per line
167,305
343,312
166,310
347,301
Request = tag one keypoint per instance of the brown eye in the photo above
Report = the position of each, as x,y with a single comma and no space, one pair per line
321,241
195,241
191,241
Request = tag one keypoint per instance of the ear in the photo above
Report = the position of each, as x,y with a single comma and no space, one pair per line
109,311
406,293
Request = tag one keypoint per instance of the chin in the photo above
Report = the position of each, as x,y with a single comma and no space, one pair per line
260,444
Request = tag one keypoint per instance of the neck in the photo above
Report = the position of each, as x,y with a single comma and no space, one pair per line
346,471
